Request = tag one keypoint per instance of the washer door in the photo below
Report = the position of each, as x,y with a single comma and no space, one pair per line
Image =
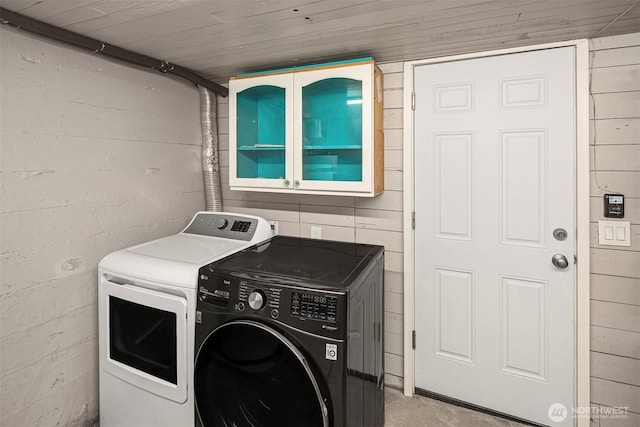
248,374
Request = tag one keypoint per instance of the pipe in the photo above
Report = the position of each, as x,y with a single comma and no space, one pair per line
47,30
210,160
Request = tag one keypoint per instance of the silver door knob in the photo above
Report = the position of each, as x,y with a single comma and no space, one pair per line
286,183
296,183
560,261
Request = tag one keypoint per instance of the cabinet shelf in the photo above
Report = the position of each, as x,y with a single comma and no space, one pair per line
332,147
264,147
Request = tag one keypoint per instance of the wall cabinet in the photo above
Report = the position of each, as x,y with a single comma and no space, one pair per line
309,130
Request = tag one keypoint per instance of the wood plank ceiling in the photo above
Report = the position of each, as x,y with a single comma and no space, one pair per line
220,38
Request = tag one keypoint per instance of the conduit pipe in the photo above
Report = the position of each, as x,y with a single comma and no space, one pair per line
210,160
47,30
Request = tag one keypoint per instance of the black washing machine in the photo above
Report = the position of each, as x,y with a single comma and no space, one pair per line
289,333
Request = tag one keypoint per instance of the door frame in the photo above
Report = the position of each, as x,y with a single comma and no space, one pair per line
581,204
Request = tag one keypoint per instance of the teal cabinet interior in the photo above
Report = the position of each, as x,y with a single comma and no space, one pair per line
314,130
261,132
332,130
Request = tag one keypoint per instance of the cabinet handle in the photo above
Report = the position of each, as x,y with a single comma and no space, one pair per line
296,183
286,182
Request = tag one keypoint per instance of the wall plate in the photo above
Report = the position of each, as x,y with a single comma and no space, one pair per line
614,233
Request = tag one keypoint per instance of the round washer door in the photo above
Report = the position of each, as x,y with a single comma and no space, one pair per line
246,373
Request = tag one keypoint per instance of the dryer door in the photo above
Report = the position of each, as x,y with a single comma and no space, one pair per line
249,374
143,337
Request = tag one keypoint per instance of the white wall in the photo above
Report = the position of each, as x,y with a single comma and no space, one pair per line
94,156
615,271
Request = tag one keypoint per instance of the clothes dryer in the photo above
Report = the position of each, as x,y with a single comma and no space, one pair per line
147,302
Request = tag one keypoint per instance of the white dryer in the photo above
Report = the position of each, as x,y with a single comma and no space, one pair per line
147,307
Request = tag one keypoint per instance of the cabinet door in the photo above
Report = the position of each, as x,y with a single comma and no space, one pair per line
261,131
334,131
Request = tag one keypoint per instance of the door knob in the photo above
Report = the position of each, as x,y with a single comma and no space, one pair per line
560,261
286,183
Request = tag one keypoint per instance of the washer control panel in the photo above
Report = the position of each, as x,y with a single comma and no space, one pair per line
314,306
258,298
311,310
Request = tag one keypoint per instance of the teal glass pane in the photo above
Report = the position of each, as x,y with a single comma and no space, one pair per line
332,130
260,132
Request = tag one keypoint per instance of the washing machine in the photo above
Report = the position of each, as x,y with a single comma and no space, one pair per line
289,332
147,302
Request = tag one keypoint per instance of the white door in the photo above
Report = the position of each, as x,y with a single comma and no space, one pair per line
494,177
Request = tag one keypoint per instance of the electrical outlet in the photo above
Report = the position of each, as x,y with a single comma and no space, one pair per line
316,232
274,227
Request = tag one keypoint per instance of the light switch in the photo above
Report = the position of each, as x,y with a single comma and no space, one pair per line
614,233
608,232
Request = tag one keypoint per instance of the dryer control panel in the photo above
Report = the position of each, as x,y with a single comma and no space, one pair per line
228,226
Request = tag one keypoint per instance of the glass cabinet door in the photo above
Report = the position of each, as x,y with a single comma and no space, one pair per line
261,115
261,132
334,131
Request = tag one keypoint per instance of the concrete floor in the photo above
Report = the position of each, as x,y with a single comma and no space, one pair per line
418,411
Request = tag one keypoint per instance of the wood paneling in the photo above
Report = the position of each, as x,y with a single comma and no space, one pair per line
615,157
616,41
613,315
629,419
376,219
219,39
615,341
614,57
625,182
393,343
615,368
625,290
614,394
617,105
615,262
615,278
615,131
622,78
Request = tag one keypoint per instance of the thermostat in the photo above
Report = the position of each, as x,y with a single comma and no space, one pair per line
614,206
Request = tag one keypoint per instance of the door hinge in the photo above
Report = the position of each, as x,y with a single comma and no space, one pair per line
413,100
413,220
413,339
575,259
